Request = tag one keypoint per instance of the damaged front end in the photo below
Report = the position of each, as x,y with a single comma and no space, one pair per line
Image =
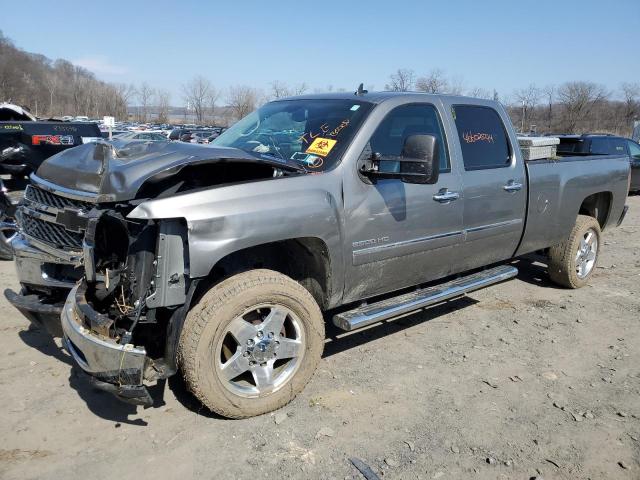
129,278
118,318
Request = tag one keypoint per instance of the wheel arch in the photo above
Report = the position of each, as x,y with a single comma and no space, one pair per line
598,205
305,259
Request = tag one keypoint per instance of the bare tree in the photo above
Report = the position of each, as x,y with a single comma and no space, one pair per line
52,81
163,100
279,89
456,85
53,87
549,93
434,82
631,98
198,93
479,92
528,98
242,100
214,95
145,95
401,81
578,100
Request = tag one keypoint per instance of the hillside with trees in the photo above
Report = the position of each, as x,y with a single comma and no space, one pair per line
56,87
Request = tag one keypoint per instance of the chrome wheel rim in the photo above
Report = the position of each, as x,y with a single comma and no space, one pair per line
260,350
587,253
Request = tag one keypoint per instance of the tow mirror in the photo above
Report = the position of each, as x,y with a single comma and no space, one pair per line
419,162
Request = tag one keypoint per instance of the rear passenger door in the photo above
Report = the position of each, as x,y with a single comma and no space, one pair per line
495,188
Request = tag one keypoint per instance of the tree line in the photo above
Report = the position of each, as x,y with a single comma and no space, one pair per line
571,107
58,87
54,88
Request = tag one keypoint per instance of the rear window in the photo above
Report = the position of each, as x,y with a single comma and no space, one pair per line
483,138
570,145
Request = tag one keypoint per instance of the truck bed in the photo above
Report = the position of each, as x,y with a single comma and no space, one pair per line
557,189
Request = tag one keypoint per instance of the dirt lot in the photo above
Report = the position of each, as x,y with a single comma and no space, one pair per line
517,381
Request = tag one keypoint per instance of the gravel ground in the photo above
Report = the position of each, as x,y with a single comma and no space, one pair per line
520,380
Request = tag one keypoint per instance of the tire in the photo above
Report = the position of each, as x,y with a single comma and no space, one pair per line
569,264
6,252
220,336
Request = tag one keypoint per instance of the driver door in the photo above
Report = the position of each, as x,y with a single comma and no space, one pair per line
402,234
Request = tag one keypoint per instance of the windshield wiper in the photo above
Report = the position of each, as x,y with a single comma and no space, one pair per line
281,161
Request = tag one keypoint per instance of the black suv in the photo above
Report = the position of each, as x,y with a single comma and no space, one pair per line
604,144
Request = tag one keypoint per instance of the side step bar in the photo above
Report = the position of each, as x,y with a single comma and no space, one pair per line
409,302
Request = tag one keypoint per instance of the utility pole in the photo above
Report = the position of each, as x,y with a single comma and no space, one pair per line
523,115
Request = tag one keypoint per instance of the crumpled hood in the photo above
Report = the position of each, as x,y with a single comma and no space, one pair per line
115,171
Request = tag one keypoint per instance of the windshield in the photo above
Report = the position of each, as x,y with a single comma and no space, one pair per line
311,133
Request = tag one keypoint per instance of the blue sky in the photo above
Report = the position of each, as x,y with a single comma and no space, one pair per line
493,44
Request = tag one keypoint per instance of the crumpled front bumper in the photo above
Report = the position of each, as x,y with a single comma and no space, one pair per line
116,368
45,278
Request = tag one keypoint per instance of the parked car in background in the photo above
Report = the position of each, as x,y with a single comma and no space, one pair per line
9,112
604,144
145,135
177,133
201,136
24,145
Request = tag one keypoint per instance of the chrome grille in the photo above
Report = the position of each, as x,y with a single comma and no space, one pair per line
50,232
44,214
43,197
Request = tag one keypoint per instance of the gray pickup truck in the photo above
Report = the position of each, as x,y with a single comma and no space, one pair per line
223,261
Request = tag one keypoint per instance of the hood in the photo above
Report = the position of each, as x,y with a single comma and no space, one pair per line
115,171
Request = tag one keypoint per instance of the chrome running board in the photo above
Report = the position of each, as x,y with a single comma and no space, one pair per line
409,302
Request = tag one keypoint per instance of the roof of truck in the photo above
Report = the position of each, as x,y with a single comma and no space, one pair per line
371,97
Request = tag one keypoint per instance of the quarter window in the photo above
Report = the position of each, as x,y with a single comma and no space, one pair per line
406,120
482,137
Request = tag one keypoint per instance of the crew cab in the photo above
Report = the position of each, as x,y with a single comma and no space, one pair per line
223,261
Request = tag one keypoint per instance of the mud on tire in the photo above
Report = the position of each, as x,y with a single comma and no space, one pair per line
563,261
223,328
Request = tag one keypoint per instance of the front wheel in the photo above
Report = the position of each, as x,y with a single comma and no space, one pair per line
251,344
572,262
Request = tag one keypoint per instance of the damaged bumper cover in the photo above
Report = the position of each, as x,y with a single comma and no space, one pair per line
116,368
39,272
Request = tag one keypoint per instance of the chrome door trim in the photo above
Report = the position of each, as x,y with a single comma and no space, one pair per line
406,247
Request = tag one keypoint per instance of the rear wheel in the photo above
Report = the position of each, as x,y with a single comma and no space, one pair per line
572,262
251,344
7,235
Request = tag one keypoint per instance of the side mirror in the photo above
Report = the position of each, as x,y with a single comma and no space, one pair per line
419,162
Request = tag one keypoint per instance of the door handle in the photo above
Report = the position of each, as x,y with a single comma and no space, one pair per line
512,186
446,196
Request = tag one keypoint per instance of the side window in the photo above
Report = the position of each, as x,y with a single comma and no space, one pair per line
634,150
600,146
483,137
618,146
406,120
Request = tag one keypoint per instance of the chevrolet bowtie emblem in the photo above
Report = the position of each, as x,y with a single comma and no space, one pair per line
71,220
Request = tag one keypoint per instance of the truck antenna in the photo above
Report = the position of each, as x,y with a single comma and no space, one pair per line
361,91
